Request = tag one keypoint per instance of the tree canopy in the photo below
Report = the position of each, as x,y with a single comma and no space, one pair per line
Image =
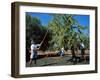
64,32
35,31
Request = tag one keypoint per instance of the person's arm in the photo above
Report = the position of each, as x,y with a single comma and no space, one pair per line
38,46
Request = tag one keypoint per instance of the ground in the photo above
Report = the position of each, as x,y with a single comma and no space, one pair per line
56,61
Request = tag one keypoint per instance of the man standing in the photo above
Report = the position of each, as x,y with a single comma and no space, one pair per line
82,50
34,47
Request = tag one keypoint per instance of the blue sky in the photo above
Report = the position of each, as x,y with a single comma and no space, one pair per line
83,19
45,18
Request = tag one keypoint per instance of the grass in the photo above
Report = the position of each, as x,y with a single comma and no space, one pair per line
55,61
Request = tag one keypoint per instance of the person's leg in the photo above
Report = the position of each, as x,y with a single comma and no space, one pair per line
35,57
83,57
31,58
62,54
30,62
35,61
82,52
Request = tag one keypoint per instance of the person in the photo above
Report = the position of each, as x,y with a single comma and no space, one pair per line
82,50
61,52
34,47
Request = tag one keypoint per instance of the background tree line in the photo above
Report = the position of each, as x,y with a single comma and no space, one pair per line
64,31
35,31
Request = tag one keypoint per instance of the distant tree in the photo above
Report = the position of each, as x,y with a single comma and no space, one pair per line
32,29
36,31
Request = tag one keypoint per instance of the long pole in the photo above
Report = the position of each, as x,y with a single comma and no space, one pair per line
43,38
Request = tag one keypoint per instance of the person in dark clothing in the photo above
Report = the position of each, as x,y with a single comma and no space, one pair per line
61,52
82,47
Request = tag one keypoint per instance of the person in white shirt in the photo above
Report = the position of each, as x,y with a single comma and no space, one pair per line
34,47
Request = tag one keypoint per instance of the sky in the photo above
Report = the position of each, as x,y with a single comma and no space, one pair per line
45,18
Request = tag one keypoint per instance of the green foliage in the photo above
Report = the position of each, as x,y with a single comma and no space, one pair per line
64,33
35,31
